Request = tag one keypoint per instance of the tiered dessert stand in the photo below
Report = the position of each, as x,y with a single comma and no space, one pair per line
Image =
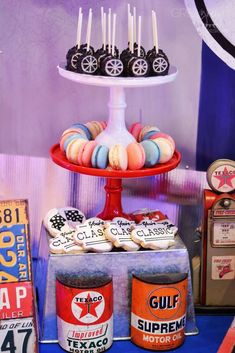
119,264
115,132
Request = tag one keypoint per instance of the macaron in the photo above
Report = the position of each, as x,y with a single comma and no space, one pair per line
75,131
99,157
86,153
135,130
73,149
84,128
118,157
136,156
71,138
70,132
148,135
166,150
152,153
162,135
103,123
95,128
145,130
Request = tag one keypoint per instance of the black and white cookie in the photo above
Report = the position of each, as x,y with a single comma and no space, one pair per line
153,235
118,231
90,236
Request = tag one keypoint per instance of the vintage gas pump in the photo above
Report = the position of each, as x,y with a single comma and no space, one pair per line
218,236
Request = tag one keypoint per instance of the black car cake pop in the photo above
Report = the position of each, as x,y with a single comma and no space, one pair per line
133,61
158,60
110,64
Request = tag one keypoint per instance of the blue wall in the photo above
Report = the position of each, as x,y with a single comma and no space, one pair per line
216,122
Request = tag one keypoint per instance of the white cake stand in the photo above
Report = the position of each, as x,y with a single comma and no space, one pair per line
116,128
115,132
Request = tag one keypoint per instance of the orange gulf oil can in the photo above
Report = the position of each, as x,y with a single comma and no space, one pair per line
158,312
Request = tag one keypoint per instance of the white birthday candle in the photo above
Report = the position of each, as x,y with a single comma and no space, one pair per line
139,35
88,33
134,25
114,33
128,22
154,25
79,28
109,31
102,15
102,23
131,35
104,31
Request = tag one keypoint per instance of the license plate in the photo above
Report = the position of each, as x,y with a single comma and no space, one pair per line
18,336
14,242
16,300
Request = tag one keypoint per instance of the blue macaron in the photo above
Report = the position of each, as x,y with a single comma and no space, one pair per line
148,135
99,157
152,153
85,129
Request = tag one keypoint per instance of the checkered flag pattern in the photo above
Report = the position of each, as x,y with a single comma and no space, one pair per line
57,221
74,216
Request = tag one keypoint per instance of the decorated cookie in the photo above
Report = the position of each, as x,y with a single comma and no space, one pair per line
153,235
166,222
90,236
56,224
64,245
72,215
146,213
119,233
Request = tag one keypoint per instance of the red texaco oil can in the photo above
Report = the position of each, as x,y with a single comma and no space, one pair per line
84,312
158,313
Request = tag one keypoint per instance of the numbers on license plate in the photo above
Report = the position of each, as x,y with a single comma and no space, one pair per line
9,215
9,345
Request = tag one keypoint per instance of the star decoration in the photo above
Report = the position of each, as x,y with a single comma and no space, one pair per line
225,178
88,307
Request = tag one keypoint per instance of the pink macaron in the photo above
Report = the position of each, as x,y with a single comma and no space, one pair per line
160,135
118,157
85,153
73,149
103,124
135,130
136,156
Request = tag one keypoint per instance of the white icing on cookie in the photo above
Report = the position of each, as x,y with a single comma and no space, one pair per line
55,223
153,235
90,236
118,231
72,215
64,245
63,221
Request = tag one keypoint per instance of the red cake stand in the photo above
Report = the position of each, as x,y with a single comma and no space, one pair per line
115,131
113,187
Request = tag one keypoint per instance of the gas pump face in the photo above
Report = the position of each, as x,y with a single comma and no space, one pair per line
218,252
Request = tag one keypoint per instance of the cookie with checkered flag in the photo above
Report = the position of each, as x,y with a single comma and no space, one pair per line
56,224
72,215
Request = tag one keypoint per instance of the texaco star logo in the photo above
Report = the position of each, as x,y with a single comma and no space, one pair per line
88,306
223,178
